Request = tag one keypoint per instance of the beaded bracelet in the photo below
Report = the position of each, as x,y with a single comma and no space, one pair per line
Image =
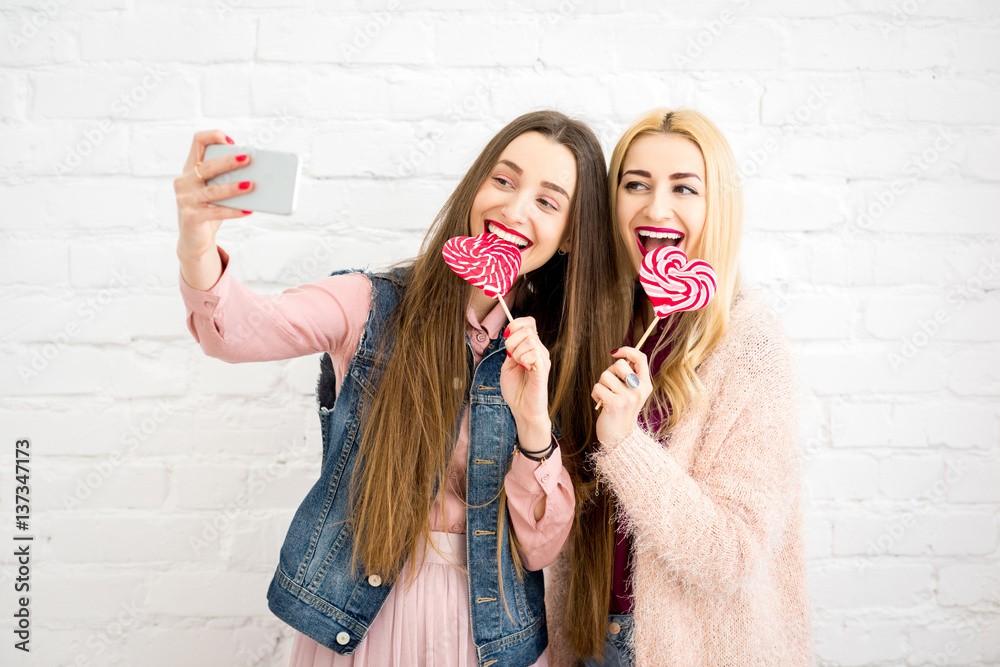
541,456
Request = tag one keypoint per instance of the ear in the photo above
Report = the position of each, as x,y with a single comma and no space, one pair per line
565,247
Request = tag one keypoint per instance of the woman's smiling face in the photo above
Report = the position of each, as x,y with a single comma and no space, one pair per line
661,195
526,198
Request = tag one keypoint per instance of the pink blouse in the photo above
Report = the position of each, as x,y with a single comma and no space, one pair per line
235,324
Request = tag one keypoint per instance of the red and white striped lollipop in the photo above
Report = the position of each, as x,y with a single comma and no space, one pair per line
487,261
673,283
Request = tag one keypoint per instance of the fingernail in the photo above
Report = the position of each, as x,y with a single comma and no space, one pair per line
615,351
230,140
506,332
524,367
240,158
244,185
508,354
248,212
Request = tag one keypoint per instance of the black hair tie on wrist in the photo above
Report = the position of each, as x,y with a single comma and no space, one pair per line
542,455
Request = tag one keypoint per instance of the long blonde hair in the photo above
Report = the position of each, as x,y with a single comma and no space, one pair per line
691,336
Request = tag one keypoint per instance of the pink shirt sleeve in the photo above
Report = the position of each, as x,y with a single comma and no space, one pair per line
526,484
233,323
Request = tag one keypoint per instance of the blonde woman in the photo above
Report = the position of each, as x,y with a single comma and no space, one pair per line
690,550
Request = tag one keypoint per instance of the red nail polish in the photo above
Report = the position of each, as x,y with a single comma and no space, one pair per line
248,212
615,351
508,354
524,367
230,140
244,185
506,332
240,158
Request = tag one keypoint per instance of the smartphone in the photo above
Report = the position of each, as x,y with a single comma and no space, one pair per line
275,176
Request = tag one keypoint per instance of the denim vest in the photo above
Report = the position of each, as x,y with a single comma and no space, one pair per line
314,588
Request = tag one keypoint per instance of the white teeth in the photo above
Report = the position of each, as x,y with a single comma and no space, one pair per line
659,235
516,240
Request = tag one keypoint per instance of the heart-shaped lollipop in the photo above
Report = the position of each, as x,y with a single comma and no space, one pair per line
673,283
487,261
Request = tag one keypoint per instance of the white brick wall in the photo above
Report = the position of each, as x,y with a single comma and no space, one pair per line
163,481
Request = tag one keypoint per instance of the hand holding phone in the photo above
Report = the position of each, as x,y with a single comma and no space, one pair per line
274,174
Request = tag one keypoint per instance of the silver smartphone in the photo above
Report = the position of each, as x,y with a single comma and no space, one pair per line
275,176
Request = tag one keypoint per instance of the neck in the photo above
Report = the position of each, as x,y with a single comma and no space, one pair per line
481,304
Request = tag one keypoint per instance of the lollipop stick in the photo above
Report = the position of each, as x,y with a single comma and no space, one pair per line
652,325
510,318
638,346
506,310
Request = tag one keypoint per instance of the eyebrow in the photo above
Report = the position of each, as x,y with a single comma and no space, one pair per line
673,177
545,184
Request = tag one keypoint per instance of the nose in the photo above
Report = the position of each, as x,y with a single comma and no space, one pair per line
661,205
517,207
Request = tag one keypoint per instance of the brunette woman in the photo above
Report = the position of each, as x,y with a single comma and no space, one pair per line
442,493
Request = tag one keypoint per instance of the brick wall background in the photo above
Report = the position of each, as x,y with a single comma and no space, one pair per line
868,137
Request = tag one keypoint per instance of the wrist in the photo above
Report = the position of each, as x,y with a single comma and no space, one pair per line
194,253
534,436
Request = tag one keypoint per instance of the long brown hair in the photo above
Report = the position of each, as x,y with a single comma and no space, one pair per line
691,336
412,418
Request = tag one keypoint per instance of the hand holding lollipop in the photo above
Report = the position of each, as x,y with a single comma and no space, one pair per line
488,262
673,284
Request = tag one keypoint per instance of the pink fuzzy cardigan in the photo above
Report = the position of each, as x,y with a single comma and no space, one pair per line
715,511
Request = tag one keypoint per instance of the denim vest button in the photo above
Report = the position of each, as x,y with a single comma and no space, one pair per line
343,638
614,628
375,580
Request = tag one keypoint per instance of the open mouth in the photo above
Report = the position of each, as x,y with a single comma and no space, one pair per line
519,240
651,238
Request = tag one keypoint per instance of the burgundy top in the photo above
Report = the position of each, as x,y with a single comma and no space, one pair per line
621,575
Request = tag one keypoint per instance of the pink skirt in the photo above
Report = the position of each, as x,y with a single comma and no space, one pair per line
427,623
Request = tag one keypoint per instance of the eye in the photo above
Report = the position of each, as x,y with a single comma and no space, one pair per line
547,203
503,182
685,188
636,186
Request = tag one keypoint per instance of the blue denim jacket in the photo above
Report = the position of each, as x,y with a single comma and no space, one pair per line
314,588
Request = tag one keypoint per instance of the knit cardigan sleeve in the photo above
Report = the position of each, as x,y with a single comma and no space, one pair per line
707,521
